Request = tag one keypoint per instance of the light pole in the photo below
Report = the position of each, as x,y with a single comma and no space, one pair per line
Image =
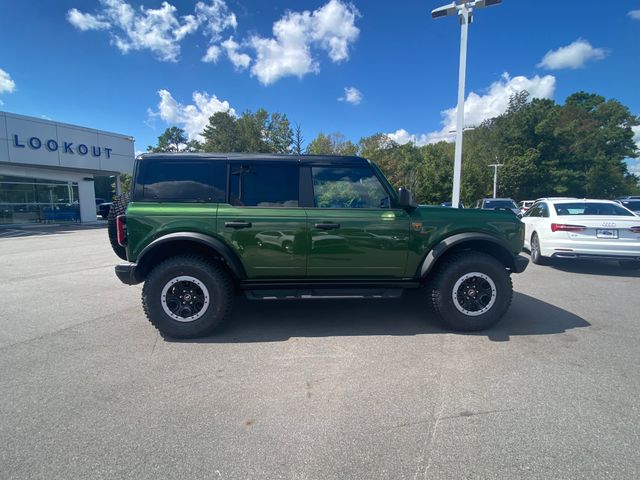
495,176
464,10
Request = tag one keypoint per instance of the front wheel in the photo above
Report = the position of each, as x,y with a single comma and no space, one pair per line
187,296
471,291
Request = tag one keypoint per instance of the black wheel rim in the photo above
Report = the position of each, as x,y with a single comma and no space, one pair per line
474,294
185,298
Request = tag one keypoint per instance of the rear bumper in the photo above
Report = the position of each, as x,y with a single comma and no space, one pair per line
126,273
519,264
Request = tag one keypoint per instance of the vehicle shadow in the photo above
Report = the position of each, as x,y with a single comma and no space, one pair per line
593,267
278,321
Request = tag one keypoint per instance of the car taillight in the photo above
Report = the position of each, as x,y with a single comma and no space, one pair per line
635,229
561,227
121,228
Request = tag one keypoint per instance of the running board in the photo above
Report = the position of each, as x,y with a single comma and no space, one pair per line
314,293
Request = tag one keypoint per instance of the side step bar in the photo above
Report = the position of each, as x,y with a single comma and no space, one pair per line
306,294
326,289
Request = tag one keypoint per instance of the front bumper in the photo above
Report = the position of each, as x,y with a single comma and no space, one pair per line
126,272
519,264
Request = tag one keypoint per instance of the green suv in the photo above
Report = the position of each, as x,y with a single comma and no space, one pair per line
199,228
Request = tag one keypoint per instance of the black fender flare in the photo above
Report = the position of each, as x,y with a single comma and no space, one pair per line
447,243
227,254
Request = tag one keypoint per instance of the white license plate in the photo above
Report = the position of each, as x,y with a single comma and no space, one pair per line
606,233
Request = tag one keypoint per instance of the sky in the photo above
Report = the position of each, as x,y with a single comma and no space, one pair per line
359,68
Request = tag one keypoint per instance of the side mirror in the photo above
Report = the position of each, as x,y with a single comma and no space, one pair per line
405,200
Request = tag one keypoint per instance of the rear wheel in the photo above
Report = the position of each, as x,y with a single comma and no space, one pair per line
118,207
187,296
471,291
536,256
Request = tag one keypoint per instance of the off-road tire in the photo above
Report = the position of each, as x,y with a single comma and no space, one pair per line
480,266
212,276
536,256
118,207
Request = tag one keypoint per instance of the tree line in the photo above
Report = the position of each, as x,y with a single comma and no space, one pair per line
547,149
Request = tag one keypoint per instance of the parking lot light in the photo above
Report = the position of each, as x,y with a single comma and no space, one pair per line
464,10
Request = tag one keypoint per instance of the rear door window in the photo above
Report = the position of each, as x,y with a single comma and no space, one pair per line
178,180
534,212
264,185
544,210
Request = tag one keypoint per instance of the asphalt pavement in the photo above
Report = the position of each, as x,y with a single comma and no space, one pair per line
343,389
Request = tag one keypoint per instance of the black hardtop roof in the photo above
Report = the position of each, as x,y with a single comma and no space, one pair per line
324,159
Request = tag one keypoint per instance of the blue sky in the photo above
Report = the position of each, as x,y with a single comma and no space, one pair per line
361,67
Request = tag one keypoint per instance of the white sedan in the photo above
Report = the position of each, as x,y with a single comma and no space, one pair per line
572,228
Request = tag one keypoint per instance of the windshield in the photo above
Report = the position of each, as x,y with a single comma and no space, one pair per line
499,204
591,208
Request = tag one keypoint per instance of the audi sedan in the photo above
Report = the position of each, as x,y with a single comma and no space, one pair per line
582,229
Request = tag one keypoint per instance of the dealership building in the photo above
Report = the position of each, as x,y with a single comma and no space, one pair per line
47,169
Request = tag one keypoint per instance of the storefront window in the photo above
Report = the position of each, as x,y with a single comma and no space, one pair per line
30,200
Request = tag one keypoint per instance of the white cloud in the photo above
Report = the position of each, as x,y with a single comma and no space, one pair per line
239,60
351,95
212,55
289,51
193,117
286,54
86,21
634,14
401,136
333,27
215,18
159,30
636,136
7,85
478,108
573,56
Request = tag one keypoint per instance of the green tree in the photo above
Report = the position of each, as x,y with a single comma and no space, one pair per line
278,133
402,164
221,134
258,132
437,171
173,139
575,149
298,140
333,144
125,183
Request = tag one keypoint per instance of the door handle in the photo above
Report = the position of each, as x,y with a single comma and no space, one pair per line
327,226
237,225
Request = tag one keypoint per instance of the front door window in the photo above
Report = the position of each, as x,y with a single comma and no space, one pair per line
348,187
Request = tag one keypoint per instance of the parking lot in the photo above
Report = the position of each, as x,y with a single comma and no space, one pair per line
311,390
